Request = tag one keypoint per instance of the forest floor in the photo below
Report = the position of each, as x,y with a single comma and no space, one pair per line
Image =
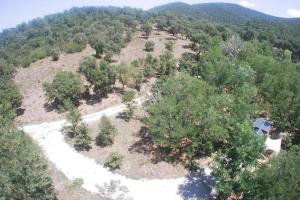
30,80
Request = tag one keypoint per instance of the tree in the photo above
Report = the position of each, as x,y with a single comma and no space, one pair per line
137,78
128,98
147,28
107,132
65,87
100,76
201,42
78,128
82,139
149,46
278,179
124,74
167,64
169,45
98,43
234,166
187,118
10,100
150,66
114,161
160,25
233,47
54,54
23,172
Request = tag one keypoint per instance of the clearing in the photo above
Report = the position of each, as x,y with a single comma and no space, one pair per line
30,80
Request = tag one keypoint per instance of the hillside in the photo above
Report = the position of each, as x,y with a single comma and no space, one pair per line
219,12
280,32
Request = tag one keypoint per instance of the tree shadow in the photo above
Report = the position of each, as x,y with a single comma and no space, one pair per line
144,36
186,46
199,186
20,111
82,147
94,99
51,106
145,145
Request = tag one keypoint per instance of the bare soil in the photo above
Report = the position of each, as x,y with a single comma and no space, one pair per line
30,80
139,159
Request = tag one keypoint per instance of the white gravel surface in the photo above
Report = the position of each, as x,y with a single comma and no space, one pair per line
74,165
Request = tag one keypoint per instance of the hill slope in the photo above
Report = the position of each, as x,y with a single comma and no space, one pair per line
219,12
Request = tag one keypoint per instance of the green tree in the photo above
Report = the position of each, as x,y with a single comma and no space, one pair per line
128,98
23,173
167,64
149,46
169,45
54,54
278,179
65,87
98,43
234,166
201,42
114,161
147,28
101,76
233,47
10,100
78,128
107,132
187,118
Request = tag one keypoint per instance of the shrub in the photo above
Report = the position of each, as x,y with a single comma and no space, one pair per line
107,132
39,54
82,138
114,161
149,46
169,45
54,54
73,47
128,96
66,86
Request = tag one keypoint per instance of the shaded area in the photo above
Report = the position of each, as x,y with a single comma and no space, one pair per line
146,146
198,186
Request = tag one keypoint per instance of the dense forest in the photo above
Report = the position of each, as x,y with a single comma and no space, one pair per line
241,68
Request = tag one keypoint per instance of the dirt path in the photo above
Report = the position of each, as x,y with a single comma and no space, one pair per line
30,80
74,165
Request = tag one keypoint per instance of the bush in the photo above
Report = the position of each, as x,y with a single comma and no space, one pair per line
169,45
101,76
150,67
128,96
149,46
39,54
114,161
66,86
82,138
107,132
73,47
10,100
54,54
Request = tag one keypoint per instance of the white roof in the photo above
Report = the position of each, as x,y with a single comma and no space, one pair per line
274,145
